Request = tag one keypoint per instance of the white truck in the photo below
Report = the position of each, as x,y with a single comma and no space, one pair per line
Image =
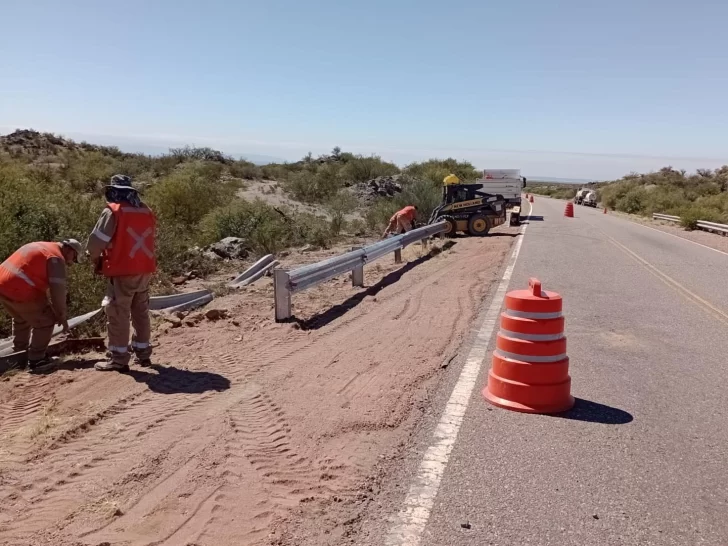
590,199
580,195
506,182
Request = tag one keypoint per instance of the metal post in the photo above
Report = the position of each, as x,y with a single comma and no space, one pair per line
357,274
398,256
282,294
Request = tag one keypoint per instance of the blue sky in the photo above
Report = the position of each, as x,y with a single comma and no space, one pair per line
570,88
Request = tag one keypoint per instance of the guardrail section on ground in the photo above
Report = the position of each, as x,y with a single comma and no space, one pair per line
286,283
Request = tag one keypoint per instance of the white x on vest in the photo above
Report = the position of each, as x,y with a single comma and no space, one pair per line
139,245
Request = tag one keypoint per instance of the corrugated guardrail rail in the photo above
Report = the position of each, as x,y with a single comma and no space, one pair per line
286,283
702,224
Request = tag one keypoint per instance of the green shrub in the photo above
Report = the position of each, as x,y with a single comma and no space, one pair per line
436,170
87,172
314,184
244,169
187,195
361,169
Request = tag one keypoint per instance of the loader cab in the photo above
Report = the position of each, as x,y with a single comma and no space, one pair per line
458,193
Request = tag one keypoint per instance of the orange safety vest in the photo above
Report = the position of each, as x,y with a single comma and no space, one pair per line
131,249
24,275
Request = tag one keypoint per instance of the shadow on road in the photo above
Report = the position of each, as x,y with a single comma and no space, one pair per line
322,319
594,412
171,380
532,219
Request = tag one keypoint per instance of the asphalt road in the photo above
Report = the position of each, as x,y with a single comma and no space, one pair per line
642,459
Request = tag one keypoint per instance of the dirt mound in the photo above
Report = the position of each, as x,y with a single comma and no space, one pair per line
34,144
249,432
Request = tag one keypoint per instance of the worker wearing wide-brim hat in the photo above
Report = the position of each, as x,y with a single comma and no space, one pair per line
26,277
123,250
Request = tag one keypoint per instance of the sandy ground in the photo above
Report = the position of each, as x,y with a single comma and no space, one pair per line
246,432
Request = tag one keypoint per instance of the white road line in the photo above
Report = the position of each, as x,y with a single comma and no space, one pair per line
677,236
618,217
411,520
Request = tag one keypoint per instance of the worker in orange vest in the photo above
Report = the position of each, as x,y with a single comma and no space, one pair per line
25,277
402,221
122,247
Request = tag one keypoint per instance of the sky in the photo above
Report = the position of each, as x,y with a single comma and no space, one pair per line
571,88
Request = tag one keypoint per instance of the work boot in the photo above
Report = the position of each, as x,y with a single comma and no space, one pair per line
143,362
111,366
41,362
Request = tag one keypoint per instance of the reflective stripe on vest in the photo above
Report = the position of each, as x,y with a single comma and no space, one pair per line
139,242
131,248
17,272
24,275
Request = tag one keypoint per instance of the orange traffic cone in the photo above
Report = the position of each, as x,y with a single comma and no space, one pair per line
569,210
605,210
530,198
530,369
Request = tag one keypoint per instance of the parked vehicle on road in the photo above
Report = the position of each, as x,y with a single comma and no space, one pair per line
590,199
580,195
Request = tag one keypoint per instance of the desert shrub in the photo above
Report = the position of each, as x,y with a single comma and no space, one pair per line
191,153
244,169
361,169
436,170
275,171
188,194
424,194
314,184
338,207
87,172
264,228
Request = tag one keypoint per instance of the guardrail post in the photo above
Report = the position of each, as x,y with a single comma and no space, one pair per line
398,256
282,294
357,274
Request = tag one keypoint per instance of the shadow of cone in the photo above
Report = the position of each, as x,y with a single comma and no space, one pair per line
530,369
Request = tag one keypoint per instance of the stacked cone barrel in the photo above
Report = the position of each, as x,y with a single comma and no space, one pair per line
530,369
530,198
569,210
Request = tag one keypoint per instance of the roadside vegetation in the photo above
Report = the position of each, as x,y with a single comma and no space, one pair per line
699,196
52,187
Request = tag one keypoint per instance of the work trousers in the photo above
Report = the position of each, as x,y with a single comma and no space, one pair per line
33,323
129,299
398,225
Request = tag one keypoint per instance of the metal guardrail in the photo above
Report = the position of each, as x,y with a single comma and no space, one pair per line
286,283
702,224
712,226
665,217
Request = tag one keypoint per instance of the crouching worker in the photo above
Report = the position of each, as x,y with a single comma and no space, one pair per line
122,248
25,277
402,221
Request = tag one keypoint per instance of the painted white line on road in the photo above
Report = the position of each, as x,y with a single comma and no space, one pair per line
678,237
411,520
619,217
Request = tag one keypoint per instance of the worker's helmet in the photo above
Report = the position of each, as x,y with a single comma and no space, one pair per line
451,179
